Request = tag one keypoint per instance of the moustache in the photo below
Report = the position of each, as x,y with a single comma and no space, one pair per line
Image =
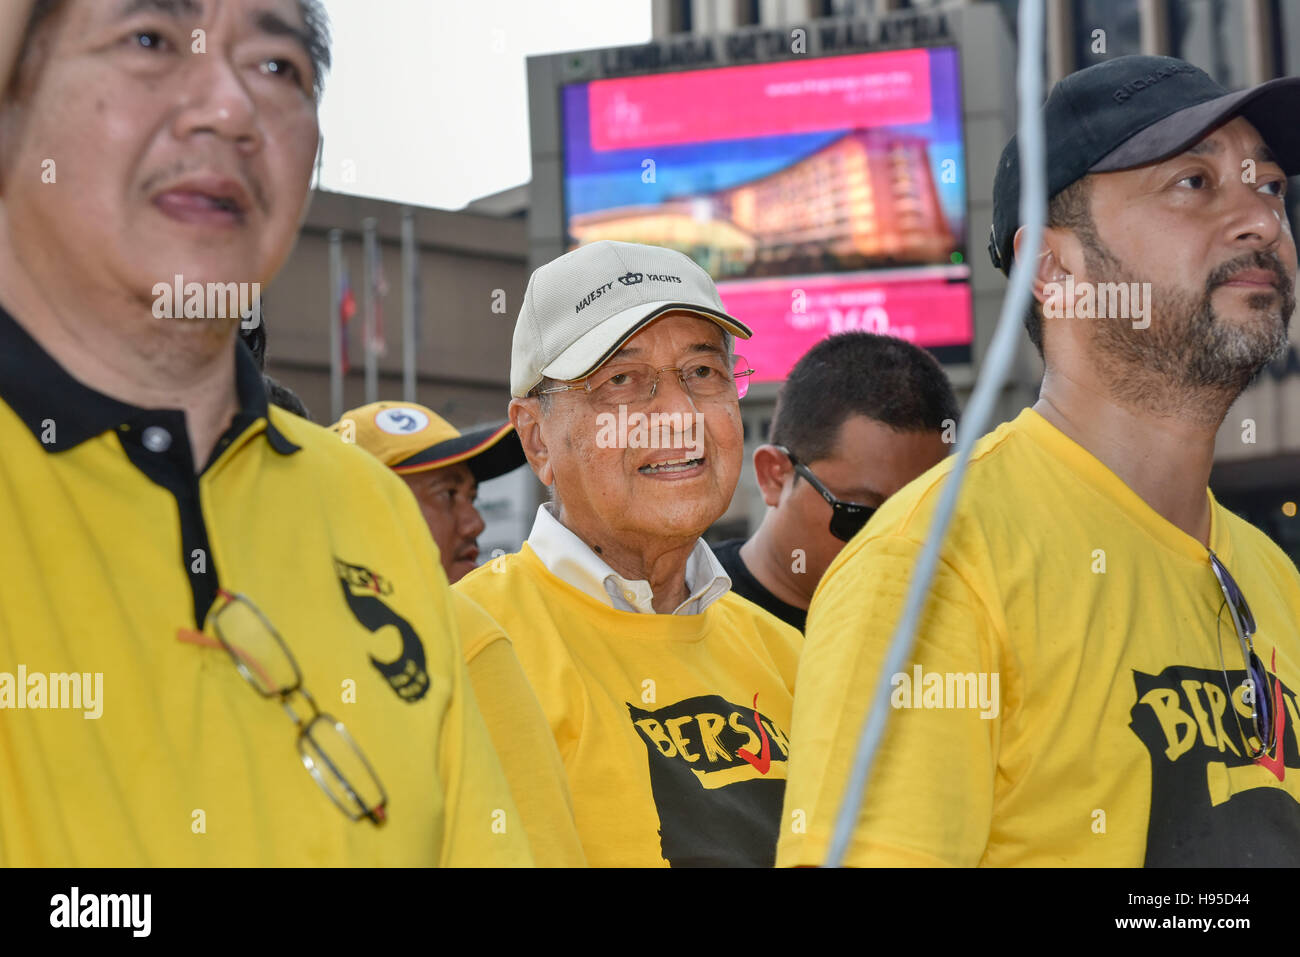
176,172
1224,272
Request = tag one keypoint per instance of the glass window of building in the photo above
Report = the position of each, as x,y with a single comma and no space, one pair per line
1211,34
683,19
1285,31
841,8
1104,29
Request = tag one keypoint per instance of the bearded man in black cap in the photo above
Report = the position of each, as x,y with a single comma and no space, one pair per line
1105,669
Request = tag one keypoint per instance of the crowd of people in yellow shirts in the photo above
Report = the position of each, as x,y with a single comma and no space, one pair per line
303,662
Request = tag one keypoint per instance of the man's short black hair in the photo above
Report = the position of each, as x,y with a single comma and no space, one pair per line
314,18
318,39
860,373
255,339
279,394
276,392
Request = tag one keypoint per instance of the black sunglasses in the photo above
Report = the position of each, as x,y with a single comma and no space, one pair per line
1260,690
847,518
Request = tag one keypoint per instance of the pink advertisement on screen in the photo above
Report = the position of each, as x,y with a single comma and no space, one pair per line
822,194
893,89
789,316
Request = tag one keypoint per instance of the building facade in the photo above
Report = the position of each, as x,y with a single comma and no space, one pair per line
472,271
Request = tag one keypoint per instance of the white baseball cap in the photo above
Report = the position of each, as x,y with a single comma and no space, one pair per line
581,308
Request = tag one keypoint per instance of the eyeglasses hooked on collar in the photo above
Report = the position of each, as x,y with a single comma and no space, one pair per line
1257,692
326,749
847,518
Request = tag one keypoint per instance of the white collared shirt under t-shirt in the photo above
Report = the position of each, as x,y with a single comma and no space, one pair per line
570,559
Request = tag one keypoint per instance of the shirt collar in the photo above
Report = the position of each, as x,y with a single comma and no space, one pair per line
40,390
570,559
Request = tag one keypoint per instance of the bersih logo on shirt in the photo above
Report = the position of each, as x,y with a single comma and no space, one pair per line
717,774
1211,804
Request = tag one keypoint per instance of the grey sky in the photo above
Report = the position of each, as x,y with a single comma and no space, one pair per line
427,102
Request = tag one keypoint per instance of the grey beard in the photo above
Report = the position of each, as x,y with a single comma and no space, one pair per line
1190,363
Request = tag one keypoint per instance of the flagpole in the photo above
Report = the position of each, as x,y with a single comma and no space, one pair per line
336,330
372,357
410,269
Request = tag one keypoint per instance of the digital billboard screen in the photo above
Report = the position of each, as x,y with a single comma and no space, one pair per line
822,195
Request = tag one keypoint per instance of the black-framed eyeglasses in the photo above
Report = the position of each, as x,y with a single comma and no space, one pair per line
847,518
1258,685
328,752
708,376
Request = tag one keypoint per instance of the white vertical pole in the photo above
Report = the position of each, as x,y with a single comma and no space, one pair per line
336,329
369,226
410,276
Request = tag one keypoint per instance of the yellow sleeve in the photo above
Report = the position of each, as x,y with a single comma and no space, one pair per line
483,827
481,824
528,754
930,798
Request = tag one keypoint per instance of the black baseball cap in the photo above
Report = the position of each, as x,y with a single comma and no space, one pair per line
1135,110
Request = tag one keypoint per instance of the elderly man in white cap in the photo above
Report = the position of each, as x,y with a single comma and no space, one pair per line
669,696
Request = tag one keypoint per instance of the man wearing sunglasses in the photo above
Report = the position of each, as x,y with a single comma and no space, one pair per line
1090,684
265,610
859,416
668,695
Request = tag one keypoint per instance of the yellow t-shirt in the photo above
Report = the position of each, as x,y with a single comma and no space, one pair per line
1108,739
522,738
651,714
111,557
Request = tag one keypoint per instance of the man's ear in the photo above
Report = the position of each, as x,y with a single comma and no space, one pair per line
525,416
1051,267
773,470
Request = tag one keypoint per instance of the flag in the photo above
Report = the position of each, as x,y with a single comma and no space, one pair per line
379,344
347,309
